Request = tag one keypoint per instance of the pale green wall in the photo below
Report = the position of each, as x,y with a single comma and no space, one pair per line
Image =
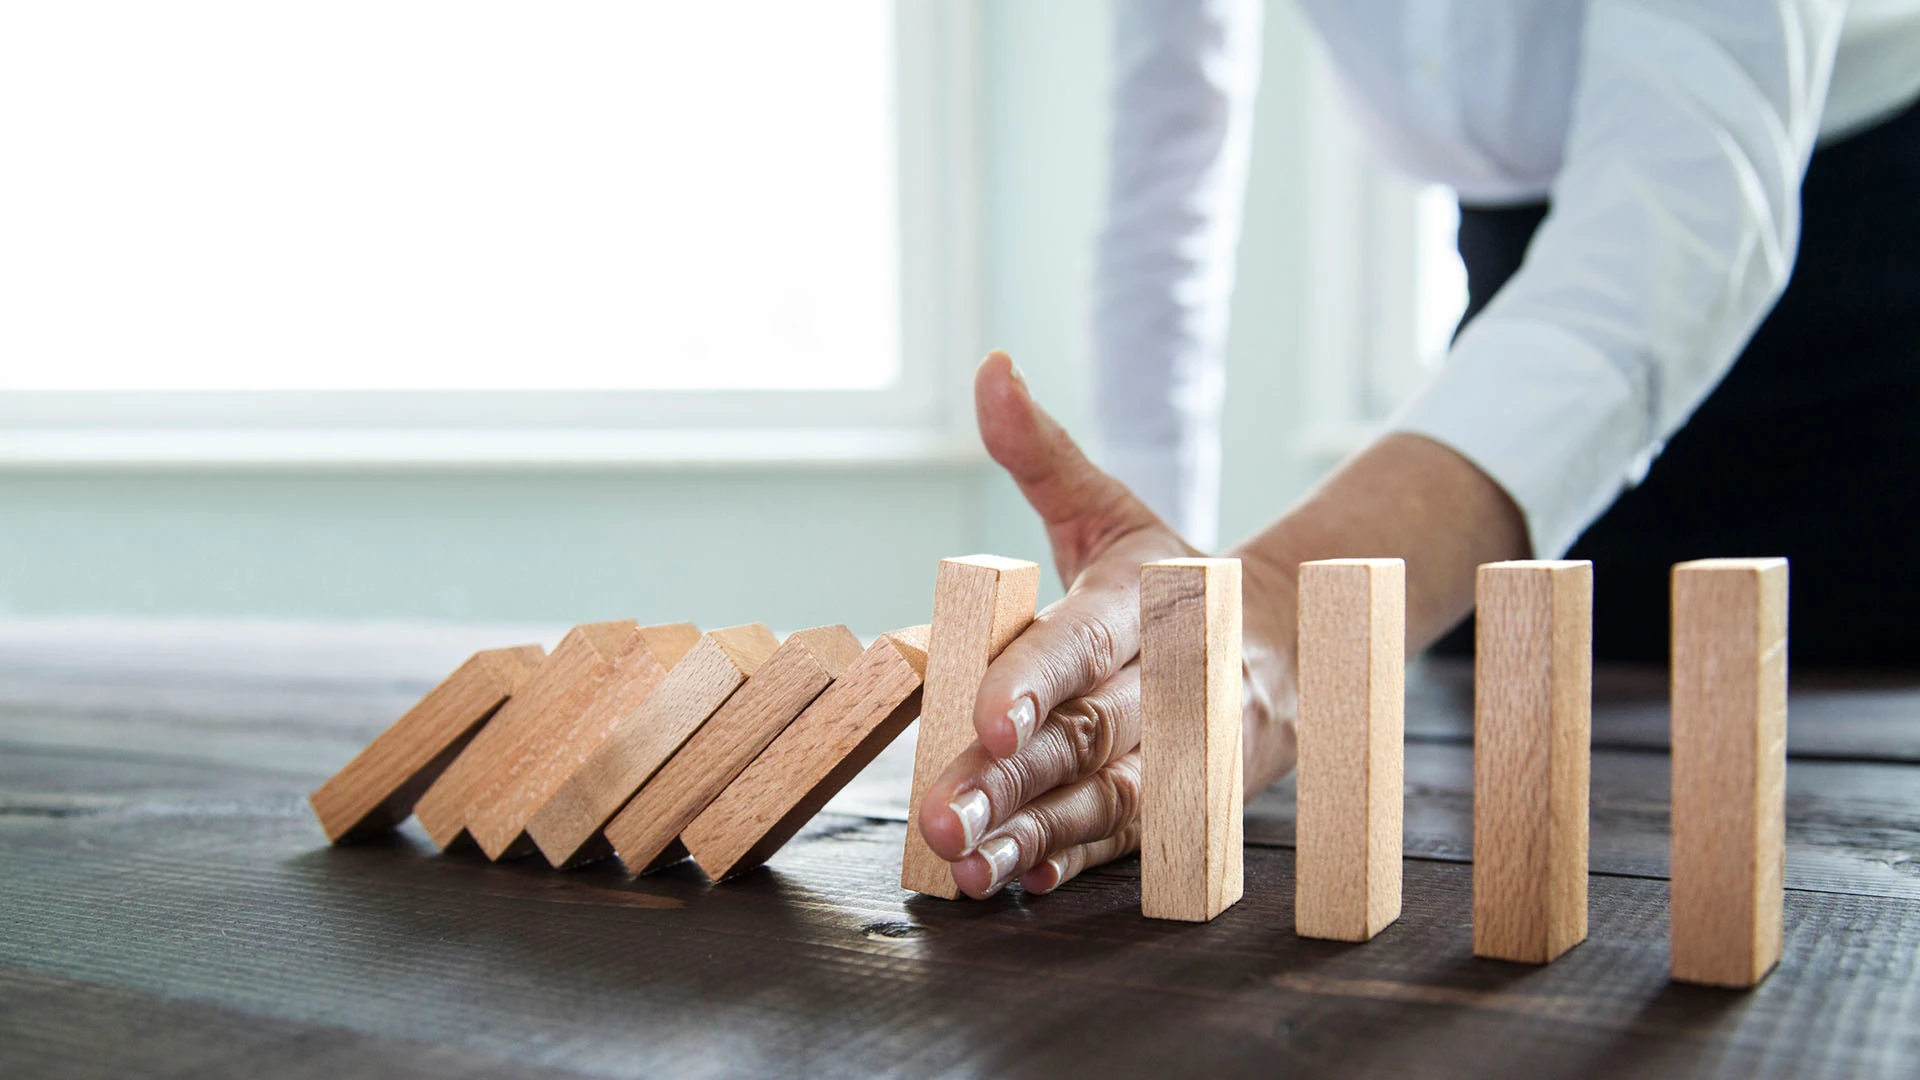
790,546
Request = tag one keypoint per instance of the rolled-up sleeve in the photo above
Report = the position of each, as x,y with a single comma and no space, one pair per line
1674,224
1185,75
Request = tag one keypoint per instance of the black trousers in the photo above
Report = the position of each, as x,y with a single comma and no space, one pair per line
1809,448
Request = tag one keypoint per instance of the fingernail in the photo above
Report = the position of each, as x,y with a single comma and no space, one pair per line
1003,858
1059,865
1013,369
973,810
1022,716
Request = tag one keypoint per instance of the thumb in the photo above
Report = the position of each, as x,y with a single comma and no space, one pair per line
1083,508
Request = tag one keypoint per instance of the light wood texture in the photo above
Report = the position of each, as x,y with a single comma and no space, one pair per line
980,604
646,833
567,828
1729,768
638,660
837,736
1190,697
1352,670
378,788
559,687
1533,699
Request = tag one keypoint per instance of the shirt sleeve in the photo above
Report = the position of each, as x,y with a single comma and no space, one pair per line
1674,223
1185,77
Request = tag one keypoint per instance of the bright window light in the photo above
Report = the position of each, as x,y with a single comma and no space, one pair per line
429,194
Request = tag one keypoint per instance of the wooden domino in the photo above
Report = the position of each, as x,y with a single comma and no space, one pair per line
1533,696
637,661
980,604
378,788
1190,698
646,833
567,827
558,687
1352,664
827,745
1729,768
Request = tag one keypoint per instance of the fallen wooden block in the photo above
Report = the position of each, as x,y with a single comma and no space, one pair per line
636,661
1729,769
645,835
567,828
1190,700
560,686
1352,660
1532,724
826,746
980,604
378,788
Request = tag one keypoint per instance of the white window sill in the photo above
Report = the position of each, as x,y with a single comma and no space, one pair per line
490,449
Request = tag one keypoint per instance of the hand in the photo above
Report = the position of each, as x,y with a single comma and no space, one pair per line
1052,786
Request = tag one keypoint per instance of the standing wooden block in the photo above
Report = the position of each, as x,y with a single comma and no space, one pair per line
838,735
1190,699
980,604
567,827
639,660
1532,724
646,833
378,788
1352,730
1729,768
560,686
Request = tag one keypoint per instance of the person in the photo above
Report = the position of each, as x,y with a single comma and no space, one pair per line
1636,181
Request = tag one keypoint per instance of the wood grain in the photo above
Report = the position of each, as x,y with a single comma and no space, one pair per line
645,834
377,789
1533,691
1352,671
980,604
1729,768
1190,701
567,828
832,741
558,688
639,660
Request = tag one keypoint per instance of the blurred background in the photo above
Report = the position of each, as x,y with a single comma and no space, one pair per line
433,311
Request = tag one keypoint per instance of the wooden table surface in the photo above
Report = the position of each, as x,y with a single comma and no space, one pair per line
169,907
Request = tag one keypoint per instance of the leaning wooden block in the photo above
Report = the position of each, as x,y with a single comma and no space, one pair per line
559,687
638,661
1352,662
646,833
378,788
1729,768
1190,700
980,604
838,735
567,828
1532,723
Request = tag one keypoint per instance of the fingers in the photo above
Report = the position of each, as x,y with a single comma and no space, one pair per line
1082,813
980,790
1063,866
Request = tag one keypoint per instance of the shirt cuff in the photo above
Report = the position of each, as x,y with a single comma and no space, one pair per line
1546,415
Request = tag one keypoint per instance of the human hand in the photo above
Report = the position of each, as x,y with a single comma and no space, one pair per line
1051,787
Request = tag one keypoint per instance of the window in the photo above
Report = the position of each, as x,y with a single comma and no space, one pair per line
433,213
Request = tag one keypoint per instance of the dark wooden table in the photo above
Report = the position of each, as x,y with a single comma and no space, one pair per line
168,907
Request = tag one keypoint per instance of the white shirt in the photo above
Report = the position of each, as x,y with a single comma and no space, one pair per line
1670,135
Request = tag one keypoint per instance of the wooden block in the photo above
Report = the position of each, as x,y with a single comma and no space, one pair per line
378,788
1352,725
837,736
567,828
1532,723
1729,768
646,833
638,661
559,686
1190,699
980,604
